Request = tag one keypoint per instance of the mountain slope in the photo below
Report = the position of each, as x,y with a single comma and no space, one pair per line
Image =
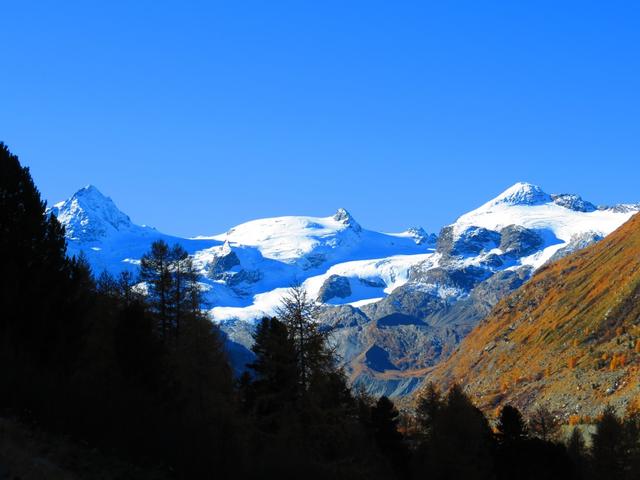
397,304
483,256
569,339
106,236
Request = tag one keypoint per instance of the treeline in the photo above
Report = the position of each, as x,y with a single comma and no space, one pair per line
142,373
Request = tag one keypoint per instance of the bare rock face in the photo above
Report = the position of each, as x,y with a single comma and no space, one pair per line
576,243
567,340
573,202
334,287
223,263
519,241
472,241
345,217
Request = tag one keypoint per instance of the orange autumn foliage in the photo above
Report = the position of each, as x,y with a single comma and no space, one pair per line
617,361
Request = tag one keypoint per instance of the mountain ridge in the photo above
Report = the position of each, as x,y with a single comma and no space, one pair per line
568,340
412,294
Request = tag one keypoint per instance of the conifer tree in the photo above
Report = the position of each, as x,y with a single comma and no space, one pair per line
511,426
313,356
384,420
608,446
430,403
155,271
275,387
576,451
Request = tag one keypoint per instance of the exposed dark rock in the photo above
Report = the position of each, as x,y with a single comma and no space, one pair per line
421,237
222,263
377,359
342,316
464,278
395,319
519,241
408,299
389,387
573,202
313,261
577,242
470,242
345,217
413,327
334,287
444,243
372,283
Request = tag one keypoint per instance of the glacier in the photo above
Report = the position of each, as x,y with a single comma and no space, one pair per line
396,303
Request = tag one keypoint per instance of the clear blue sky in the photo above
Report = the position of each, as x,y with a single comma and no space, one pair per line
198,116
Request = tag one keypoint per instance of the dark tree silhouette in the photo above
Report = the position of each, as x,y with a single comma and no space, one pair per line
511,426
608,446
543,424
155,271
384,421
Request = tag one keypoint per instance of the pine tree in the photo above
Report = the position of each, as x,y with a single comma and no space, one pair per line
275,386
430,403
181,271
460,442
608,442
384,420
313,356
511,427
155,271
576,450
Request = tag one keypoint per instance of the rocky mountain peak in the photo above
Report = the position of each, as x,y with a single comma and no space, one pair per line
522,193
573,202
88,215
344,217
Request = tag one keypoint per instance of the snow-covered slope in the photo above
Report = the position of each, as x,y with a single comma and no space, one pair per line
106,236
411,294
557,219
245,269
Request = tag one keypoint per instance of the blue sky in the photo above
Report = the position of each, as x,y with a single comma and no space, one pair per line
194,116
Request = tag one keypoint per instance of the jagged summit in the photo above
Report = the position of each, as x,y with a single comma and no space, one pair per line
89,215
421,236
527,194
374,285
573,202
343,216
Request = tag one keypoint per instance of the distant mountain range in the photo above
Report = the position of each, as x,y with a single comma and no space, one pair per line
397,304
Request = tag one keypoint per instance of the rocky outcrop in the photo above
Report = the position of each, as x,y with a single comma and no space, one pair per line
566,341
519,241
334,287
577,242
422,237
343,216
222,263
472,241
573,202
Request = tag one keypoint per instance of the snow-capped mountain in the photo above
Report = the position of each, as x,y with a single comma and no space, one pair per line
397,303
106,236
245,269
